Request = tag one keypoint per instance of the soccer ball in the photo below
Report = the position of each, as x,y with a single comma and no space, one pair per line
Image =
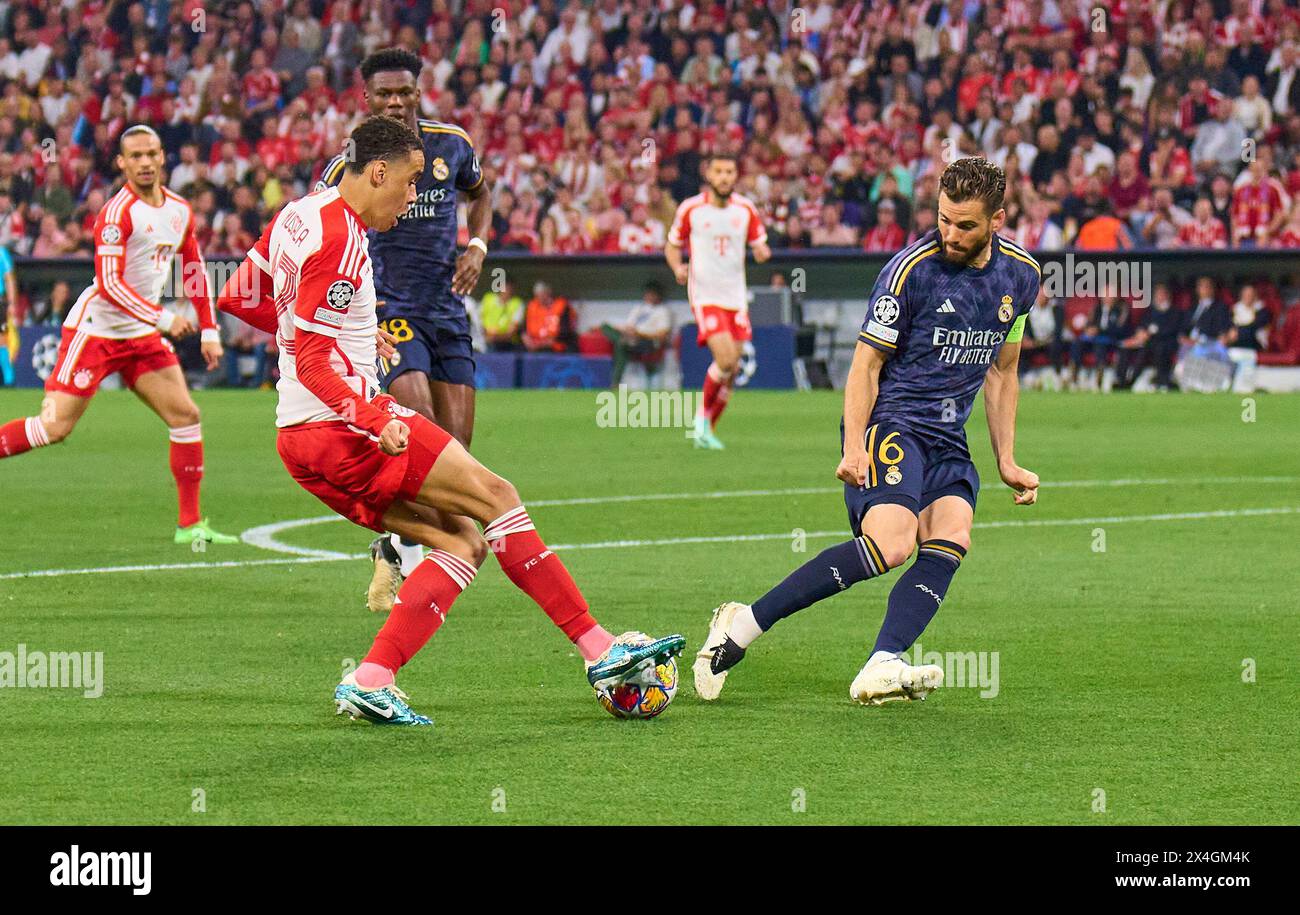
643,697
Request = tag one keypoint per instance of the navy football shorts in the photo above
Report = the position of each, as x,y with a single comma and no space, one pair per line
440,347
907,470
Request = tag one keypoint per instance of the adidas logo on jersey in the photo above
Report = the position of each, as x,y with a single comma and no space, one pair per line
947,308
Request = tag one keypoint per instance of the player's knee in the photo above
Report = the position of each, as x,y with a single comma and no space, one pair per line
962,540
727,364
187,415
500,494
476,549
57,430
895,552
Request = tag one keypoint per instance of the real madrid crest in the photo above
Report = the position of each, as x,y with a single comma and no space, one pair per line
440,170
893,476
1006,309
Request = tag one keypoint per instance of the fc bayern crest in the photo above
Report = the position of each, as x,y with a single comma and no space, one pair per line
110,234
340,294
886,309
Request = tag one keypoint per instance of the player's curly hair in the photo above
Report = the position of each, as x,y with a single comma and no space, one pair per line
379,137
388,59
975,178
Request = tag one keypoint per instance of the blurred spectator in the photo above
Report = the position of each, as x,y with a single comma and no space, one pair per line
1209,320
1036,230
1103,232
1105,330
1154,343
502,314
51,308
886,235
641,234
1248,337
832,233
1218,143
1166,221
549,324
1204,230
644,332
1259,206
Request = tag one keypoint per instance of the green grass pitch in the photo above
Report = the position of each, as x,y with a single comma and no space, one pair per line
1124,674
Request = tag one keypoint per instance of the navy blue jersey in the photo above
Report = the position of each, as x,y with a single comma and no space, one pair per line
414,261
941,326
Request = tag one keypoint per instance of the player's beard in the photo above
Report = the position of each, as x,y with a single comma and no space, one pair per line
966,256
721,196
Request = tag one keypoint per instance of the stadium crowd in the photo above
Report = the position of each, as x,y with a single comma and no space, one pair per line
1161,124
1164,124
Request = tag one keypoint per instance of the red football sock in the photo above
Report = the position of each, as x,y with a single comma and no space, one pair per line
187,468
20,435
712,384
720,401
421,606
538,572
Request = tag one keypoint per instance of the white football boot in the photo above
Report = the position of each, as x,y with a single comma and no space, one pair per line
886,678
708,685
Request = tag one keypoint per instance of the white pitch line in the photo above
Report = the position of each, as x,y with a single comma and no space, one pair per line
825,490
843,532
265,537
674,541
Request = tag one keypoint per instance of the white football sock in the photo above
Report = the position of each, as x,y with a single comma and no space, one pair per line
410,554
744,629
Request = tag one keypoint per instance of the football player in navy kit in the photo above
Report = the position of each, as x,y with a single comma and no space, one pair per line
945,318
420,280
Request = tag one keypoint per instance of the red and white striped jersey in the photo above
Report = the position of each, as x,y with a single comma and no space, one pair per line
135,245
318,257
716,238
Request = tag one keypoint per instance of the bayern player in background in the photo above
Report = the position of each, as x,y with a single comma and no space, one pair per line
420,280
382,465
117,325
715,227
947,317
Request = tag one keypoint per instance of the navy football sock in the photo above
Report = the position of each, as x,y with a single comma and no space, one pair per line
829,572
916,595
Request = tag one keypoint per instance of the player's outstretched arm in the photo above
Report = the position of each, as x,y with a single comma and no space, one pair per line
247,294
1001,395
859,400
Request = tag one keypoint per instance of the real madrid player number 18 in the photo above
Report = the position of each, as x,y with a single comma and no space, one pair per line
945,318
420,281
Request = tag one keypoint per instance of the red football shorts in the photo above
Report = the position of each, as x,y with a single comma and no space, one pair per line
347,471
713,319
85,361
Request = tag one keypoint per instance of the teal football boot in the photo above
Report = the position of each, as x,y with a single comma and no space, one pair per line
631,653
386,705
